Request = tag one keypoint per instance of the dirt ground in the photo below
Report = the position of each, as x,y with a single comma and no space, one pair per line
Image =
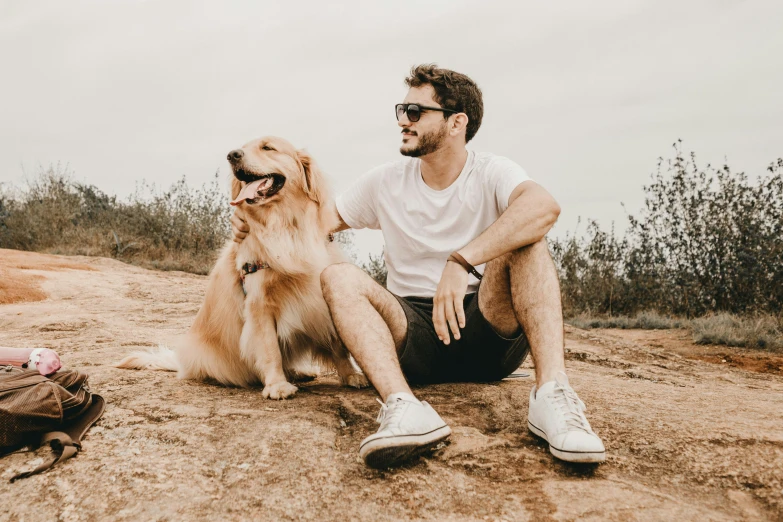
692,432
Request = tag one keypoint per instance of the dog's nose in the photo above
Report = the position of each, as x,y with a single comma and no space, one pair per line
235,155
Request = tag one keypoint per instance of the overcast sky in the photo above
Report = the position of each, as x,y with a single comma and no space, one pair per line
584,95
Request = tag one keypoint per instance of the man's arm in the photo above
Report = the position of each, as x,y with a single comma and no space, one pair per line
531,213
341,224
239,228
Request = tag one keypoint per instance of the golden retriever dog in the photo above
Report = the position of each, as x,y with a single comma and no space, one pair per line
264,318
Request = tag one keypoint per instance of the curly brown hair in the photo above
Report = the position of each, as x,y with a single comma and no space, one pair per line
453,91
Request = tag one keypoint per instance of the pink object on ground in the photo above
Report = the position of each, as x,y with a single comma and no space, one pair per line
44,360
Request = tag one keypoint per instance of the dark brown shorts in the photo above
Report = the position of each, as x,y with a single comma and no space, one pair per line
481,354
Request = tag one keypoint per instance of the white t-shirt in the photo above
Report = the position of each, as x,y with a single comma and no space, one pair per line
421,225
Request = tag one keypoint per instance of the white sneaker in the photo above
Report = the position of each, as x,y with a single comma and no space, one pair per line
556,415
408,428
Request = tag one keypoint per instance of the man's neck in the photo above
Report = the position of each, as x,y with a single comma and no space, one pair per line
441,168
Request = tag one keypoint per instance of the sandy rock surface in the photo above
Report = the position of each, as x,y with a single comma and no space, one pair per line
688,436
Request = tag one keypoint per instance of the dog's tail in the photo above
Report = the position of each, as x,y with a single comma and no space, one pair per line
162,358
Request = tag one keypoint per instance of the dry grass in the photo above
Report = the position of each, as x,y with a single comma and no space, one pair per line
758,331
642,321
761,331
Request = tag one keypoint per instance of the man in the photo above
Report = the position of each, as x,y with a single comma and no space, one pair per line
444,210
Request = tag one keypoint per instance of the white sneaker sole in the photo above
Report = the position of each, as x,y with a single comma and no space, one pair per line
391,451
569,456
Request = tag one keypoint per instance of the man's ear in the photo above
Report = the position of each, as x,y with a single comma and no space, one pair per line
236,187
459,123
313,177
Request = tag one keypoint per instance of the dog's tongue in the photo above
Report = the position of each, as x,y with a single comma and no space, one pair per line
252,190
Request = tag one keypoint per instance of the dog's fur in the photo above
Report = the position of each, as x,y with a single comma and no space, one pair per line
283,324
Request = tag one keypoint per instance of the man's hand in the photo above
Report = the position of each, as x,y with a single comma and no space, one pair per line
238,227
447,311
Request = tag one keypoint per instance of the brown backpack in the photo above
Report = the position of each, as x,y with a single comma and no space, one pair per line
36,409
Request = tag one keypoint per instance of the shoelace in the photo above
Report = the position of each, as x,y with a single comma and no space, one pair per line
567,402
389,415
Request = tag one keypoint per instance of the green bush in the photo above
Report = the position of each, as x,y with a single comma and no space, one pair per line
707,240
375,266
178,229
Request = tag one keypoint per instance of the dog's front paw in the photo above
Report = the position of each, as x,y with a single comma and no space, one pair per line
356,380
279,390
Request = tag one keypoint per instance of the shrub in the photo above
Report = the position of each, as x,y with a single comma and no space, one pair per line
591,272
707,240
376,267
179,229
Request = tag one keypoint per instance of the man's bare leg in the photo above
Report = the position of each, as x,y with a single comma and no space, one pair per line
521,288
371,323
373,327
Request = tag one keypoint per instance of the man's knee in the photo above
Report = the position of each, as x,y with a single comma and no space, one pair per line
538,249
525,254
341,278
500,263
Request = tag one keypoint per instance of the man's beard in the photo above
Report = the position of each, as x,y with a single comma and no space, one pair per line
428,143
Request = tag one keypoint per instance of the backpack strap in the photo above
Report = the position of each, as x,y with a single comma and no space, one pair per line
67,443
63,447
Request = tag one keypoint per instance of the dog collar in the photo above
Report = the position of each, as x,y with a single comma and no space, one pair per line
252,268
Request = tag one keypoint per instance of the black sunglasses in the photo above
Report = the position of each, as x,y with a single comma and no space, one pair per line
413,110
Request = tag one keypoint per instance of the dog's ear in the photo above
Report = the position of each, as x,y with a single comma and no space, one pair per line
313,177
236,187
